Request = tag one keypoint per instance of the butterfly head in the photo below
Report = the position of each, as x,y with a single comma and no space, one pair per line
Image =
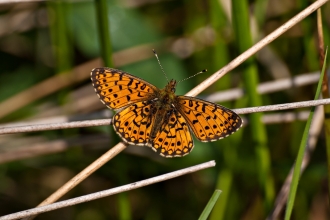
170,87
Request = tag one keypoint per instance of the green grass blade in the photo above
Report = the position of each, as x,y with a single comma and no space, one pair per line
241,25
102,18
224,182
62,45
206,212
296,171
124,206
104,32
219,58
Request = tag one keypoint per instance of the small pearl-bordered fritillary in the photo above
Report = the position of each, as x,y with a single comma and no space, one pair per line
157,117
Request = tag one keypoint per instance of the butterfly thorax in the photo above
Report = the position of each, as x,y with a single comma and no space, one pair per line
167,95
163,107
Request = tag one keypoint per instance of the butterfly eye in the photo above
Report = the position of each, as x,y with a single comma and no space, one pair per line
173,89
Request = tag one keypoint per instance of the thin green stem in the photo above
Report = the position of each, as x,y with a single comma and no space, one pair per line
104,31
59,34
206,212
220,53
224,182
300,156
251,79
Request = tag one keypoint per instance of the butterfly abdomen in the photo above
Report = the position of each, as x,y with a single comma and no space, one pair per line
162,108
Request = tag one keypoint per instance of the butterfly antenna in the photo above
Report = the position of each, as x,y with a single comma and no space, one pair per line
203,71
153,50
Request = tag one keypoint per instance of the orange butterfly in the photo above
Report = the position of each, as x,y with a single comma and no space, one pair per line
157,117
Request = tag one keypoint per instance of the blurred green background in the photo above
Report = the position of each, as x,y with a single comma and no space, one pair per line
47,50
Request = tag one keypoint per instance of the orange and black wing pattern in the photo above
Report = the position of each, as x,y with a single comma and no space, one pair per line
134,123
208,121
174,138
117,89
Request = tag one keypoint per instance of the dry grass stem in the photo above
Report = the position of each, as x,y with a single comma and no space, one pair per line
60,145
227,95
78,74
45,147
99,122
265,88
18,1
258,46
320,37
284,117
45,127
47,87
282,106
83,174
108,192
103,114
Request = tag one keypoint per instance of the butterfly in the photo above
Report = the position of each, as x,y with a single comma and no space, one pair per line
159,118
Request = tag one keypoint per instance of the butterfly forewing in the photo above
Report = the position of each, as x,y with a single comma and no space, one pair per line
174,138
118,89
209,121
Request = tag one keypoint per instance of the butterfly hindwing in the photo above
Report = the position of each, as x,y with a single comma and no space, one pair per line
134,123
174,138
208,121
118,89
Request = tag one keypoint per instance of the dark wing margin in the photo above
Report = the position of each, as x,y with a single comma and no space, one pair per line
117,89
